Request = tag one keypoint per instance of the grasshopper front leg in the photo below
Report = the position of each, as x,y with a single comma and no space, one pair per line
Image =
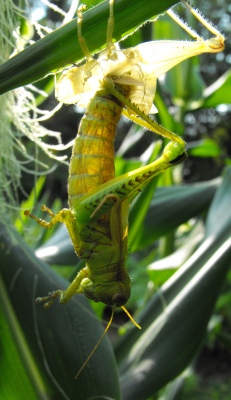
65,295
64,216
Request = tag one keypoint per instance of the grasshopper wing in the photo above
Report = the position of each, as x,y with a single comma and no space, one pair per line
165,54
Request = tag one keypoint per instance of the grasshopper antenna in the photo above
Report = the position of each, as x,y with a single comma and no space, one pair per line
129,315
88,358
108,325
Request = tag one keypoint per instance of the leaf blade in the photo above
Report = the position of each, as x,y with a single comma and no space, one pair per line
61,46
58,337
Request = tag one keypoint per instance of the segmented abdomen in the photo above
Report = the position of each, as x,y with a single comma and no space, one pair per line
92,161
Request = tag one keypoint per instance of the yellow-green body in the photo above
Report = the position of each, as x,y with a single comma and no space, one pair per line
92,161
97,220
101,240
91,165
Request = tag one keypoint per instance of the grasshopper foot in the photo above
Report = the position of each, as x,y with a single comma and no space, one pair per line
51,295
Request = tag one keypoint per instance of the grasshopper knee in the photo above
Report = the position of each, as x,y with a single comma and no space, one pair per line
179,159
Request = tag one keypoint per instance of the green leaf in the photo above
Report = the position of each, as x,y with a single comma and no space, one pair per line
219,216
13,373
58,249
29,203
219,92
171,341
166,118
204,148
171,207
159,271
58,339
175,320
61,47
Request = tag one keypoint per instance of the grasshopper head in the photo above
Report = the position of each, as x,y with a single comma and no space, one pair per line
116,294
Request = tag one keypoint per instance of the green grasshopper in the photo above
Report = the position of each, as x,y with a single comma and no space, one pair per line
97,220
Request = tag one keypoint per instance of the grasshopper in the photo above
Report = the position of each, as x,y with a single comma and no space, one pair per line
97,220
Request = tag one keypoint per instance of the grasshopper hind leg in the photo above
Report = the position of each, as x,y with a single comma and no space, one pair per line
216,44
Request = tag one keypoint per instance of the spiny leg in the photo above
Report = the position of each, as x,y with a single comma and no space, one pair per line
48,210
81,39
184,25
60,217
116,224
51,295
128,186
219,38
66,216
139,178
110,27
147,122
107,197
203,20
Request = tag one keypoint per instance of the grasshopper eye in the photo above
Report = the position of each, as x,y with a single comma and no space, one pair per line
119,299
182,157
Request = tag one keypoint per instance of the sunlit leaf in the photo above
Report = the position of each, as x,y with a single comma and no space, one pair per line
204,148
219,92
61,47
